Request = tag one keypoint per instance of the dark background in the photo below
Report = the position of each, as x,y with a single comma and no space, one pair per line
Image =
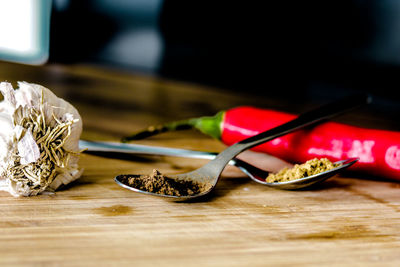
300,50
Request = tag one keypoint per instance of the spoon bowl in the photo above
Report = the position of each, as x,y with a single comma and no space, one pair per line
193,176
210,172
309,180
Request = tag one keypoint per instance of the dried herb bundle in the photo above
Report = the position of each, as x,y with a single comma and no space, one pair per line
39,146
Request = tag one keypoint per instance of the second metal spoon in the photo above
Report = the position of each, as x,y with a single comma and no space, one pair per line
256,174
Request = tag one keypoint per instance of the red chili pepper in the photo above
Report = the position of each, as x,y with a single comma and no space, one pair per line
378,150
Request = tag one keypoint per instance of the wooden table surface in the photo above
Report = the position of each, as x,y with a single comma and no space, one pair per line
94,222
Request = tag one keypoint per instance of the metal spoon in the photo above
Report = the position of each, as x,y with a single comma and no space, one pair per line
256,174
209,173
112,147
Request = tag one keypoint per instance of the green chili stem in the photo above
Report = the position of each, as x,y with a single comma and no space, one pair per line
208,125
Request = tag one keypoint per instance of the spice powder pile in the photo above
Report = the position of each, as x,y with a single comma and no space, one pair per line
160,184
311,167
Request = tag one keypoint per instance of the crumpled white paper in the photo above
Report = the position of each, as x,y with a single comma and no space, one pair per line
28,150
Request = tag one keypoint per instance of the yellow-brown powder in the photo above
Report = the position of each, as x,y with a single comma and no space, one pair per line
299,171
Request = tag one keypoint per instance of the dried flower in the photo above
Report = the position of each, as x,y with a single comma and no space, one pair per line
39,135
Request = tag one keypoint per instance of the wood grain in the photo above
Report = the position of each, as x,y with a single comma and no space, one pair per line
94,222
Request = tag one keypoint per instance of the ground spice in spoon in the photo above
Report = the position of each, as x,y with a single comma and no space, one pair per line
311,167
160,184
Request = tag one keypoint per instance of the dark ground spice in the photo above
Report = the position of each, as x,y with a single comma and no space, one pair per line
160,184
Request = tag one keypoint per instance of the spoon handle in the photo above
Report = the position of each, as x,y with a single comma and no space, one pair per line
306,119
113,147
311,117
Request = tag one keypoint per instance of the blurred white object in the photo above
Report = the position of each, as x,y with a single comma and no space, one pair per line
24,31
